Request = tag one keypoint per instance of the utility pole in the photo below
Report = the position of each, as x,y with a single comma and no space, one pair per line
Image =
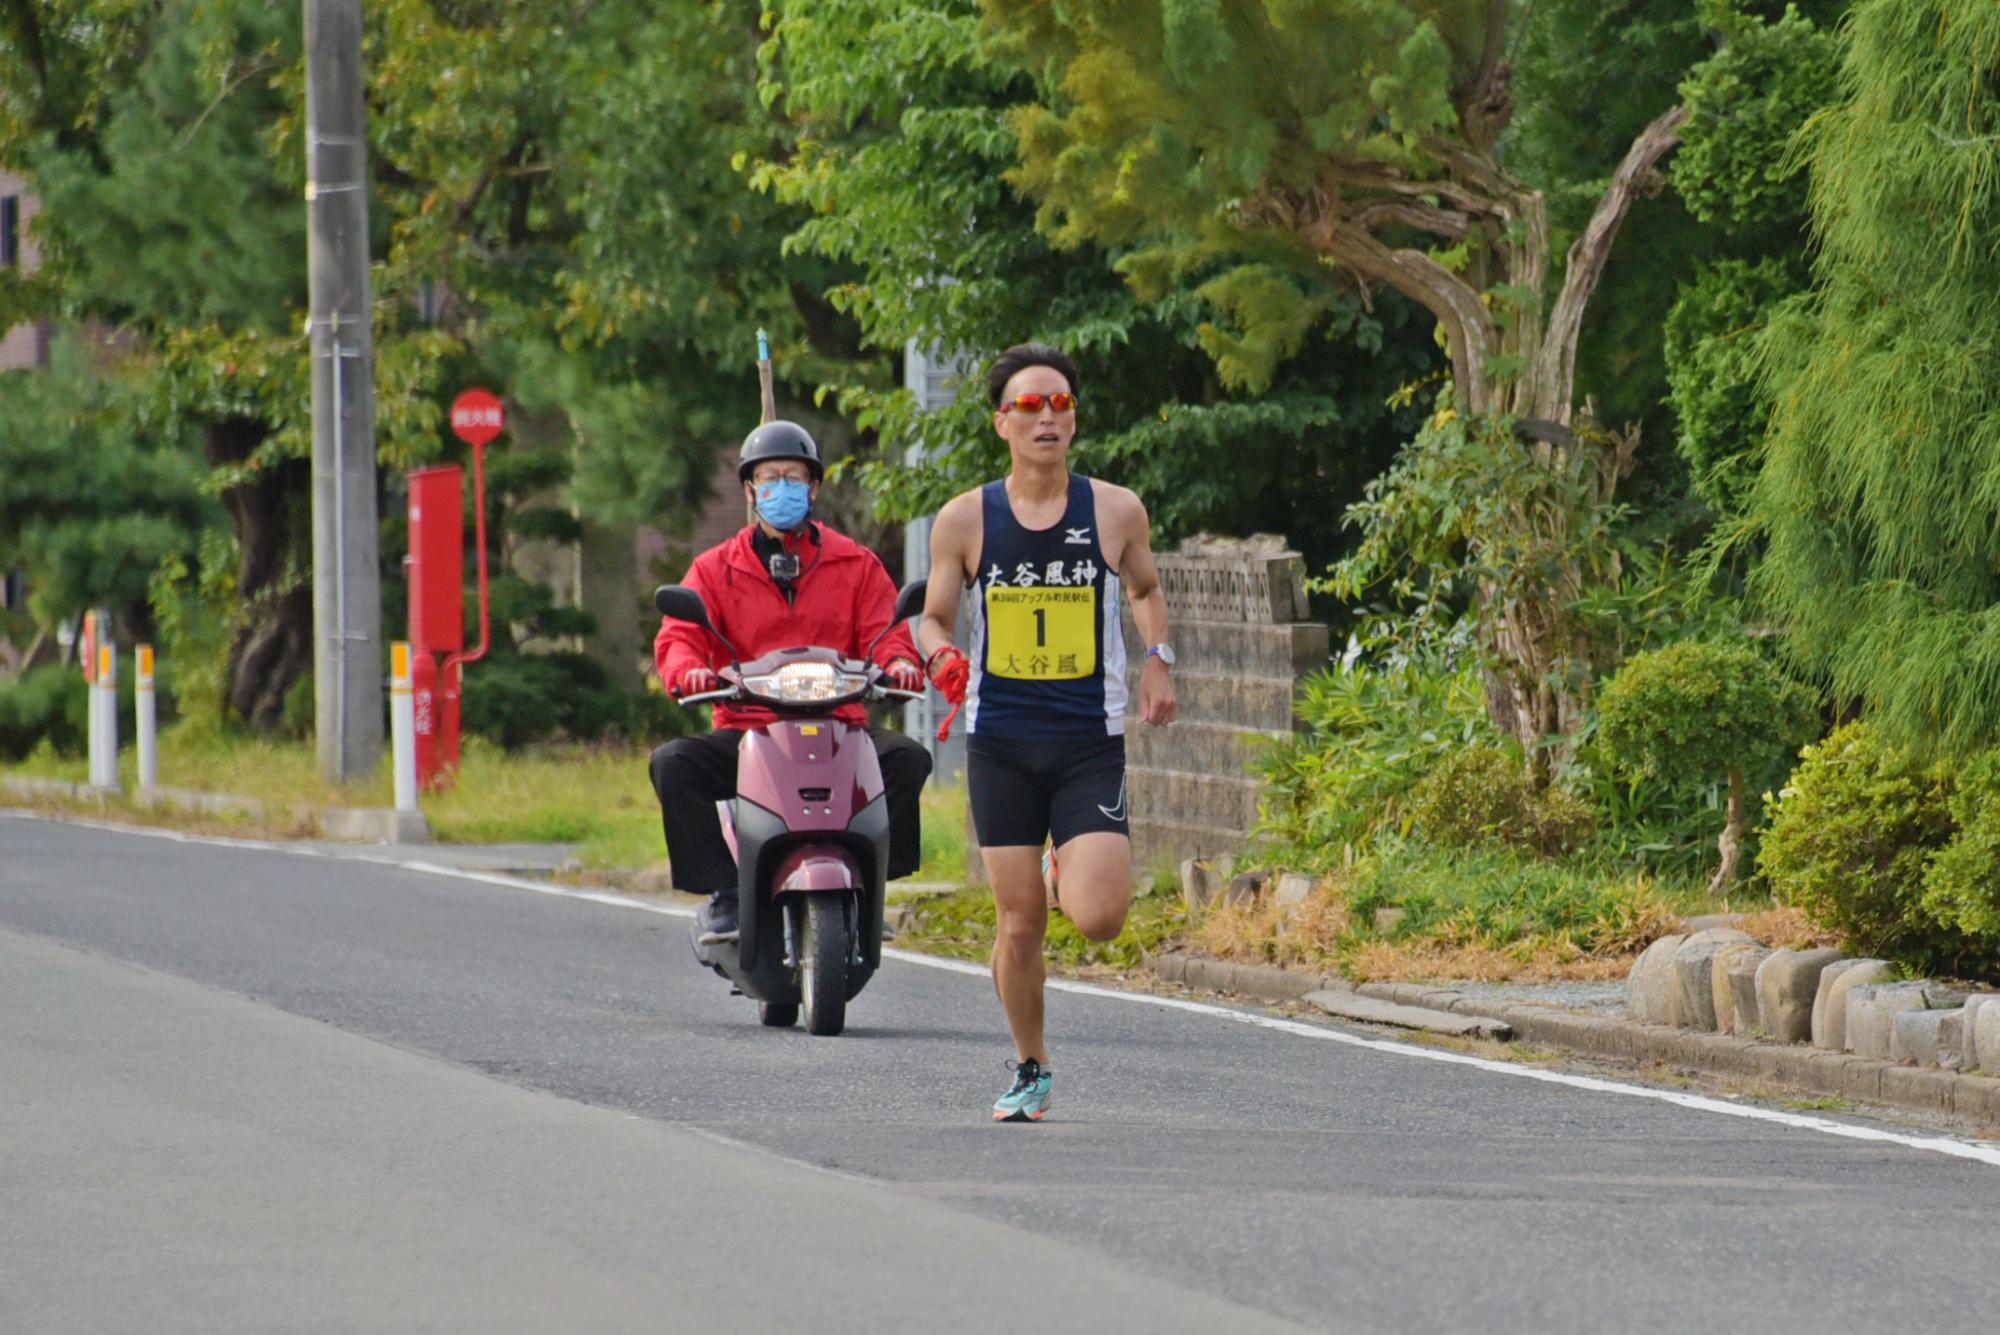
347,595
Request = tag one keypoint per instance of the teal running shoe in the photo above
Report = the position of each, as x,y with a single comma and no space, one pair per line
1031,1097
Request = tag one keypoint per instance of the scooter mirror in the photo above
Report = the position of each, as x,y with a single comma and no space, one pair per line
682,604
911,600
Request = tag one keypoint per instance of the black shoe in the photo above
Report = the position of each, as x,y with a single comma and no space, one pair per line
716,921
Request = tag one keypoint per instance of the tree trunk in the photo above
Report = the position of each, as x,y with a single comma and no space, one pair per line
1731,842
270,508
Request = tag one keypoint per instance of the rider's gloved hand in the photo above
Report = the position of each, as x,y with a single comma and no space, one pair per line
905,675
694,681
950,672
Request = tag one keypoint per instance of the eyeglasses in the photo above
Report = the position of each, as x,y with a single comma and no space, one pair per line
1032,403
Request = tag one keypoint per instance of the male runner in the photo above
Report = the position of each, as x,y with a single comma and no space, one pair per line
1045,553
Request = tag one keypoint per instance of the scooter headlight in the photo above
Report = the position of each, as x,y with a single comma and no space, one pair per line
805,682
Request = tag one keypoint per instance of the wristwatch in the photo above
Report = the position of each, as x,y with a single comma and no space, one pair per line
1163,652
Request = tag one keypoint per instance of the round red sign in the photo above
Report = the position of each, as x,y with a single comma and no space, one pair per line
477,416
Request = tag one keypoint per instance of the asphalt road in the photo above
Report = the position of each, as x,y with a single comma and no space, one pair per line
248,1090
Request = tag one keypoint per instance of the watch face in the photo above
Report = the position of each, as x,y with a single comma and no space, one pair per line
1163,652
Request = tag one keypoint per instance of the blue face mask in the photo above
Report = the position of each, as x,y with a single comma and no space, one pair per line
784,503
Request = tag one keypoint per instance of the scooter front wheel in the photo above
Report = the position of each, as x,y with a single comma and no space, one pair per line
823,965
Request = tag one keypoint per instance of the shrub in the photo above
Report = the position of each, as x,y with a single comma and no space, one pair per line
1484,794
1374,733
1962,886
1695,711
1849,842
49,704
517,699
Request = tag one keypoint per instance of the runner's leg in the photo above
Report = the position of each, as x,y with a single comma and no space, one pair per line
1096,883
1023,922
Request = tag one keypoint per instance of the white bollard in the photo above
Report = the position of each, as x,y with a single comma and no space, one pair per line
403,726
146,706
104,748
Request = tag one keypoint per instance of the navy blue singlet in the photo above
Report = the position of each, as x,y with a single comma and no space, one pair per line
1048,648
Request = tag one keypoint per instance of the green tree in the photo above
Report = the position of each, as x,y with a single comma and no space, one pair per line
1354,144
902,155
1880,491
1694,713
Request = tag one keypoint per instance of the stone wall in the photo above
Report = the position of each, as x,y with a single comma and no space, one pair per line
1242,635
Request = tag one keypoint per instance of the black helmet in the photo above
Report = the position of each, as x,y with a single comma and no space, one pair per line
778,440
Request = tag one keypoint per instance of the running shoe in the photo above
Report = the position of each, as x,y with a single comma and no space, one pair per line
1030,1098
715,921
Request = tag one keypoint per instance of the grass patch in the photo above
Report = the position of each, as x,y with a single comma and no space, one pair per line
1412,913
1832,1103
961,925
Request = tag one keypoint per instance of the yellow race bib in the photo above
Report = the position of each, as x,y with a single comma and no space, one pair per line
1044,634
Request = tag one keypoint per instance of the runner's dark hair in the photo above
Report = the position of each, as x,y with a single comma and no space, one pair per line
1019,358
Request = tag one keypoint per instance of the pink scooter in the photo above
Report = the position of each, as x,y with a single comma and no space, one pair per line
809,826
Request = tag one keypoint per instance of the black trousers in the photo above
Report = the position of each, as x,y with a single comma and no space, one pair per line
692,774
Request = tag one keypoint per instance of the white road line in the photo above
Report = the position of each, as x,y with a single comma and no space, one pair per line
1960,1149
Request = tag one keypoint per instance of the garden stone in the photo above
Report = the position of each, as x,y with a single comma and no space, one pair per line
1871,1016
1787,981
1694,968
1986,1038
1652,993
1199,883
1919,1037
1968,1058
1735,984
1293,888
1243,890
1829,1022
1951,1039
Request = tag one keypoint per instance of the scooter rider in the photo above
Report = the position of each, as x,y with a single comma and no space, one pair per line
783,580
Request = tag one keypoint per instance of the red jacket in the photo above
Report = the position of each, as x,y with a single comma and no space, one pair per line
844,599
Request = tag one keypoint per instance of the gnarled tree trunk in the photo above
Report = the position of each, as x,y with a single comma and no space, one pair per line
271,511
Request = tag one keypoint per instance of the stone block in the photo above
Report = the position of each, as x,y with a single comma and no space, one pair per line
1786,983
1694,968
1243,890
1870,1020
1919,1036
1200,884
1733,980
1293,888
1925,1089
1951,1039
1652,992
377,825
1829,1020
1968,1058
1986,1039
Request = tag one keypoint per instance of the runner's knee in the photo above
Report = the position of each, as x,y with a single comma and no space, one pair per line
1098,924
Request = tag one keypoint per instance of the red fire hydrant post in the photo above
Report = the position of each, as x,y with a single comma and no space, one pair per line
437,605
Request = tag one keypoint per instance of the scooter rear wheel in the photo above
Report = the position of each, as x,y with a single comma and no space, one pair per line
777,1014
823,965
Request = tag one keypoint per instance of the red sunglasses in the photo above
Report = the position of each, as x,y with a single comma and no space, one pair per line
1032,403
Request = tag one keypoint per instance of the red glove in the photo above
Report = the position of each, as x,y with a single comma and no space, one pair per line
695,681
905,675
950,672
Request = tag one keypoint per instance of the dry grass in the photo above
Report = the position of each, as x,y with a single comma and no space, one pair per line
1786,929
1262,932
1534,961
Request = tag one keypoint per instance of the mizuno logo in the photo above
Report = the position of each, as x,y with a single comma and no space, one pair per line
1079,537
1117,813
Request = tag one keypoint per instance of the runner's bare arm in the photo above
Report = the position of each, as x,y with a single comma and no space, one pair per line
953,536
1132,530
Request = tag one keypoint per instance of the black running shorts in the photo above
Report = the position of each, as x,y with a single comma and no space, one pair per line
1022,792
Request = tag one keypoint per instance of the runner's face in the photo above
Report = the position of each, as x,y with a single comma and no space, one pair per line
1040,437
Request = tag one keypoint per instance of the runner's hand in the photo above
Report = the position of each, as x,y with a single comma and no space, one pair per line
950,672
1157,704
905,675
695,681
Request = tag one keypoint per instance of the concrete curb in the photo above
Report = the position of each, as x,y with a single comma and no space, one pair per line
1970,1099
